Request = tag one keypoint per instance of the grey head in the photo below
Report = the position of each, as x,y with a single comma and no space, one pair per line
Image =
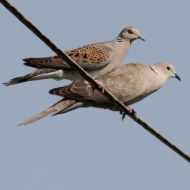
130,33
166,70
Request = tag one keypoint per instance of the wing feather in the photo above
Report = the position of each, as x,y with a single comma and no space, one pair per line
89,57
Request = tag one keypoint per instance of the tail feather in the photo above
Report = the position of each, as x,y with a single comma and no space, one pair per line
61,105
17,80
70,108
37,75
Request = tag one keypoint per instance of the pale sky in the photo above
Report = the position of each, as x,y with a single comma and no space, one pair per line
90,149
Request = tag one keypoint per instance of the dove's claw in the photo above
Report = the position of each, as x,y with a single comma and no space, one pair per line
131,110
123,115
101,85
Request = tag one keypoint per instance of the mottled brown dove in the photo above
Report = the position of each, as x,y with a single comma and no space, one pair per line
98,59
129,83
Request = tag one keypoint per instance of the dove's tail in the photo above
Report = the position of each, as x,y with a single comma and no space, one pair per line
63,106
37,75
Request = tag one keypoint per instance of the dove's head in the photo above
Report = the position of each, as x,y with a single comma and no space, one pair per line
131,34
167,70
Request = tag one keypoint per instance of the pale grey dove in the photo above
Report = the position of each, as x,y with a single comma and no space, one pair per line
129,83
98,59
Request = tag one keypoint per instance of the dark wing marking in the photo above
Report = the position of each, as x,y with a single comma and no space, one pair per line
89,57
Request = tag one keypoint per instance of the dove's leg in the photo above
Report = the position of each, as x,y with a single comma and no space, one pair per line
131,110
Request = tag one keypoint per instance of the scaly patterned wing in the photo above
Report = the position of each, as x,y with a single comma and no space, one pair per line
89,57
73,91
79,91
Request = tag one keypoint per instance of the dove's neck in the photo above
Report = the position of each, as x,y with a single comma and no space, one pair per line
158,77
119,39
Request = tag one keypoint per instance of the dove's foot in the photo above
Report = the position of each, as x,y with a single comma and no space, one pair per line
131,110
101,85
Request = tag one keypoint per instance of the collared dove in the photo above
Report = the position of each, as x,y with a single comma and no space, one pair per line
98,59
129,83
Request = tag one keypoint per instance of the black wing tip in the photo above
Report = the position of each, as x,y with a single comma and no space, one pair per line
29,59
52,91
29,62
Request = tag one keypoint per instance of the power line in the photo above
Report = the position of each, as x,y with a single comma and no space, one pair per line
131,113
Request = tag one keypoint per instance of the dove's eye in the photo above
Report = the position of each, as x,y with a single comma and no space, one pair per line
130,31
168,68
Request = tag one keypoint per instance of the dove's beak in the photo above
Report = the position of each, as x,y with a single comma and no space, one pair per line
140,38
177,77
